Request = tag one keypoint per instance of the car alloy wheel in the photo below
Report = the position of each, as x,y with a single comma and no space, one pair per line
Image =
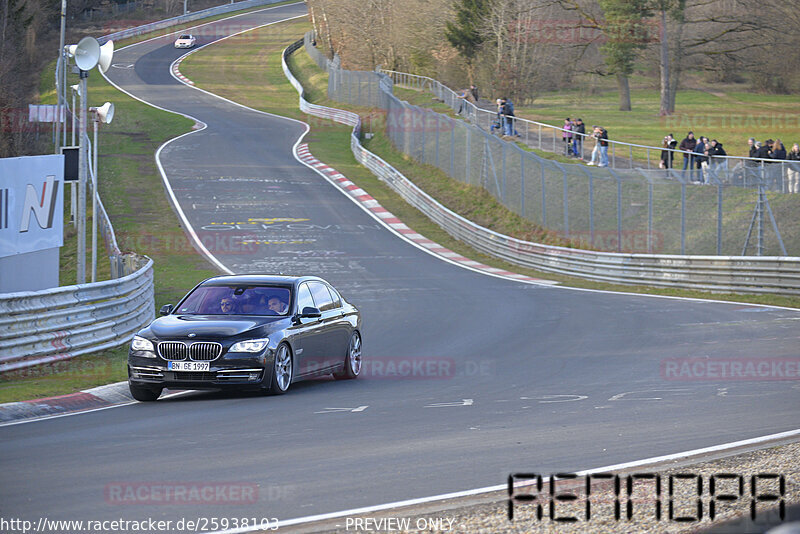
283,369
352,361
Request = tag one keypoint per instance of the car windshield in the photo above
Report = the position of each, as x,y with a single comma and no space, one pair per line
186,37
236,300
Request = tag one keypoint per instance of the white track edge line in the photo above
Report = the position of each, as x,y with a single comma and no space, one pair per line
501,487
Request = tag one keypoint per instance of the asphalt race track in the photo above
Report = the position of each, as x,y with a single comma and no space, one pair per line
509,376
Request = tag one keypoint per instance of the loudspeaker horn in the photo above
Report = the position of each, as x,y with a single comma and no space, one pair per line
87,53
105,112
106,55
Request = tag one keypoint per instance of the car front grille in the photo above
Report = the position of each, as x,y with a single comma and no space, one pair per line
204,351
173,350
200,351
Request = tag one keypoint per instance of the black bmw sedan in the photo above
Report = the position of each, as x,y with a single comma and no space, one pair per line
247,332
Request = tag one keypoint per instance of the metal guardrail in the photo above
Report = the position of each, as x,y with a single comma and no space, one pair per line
180,19
718,273
39,327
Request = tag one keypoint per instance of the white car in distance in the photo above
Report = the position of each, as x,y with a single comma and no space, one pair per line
185,41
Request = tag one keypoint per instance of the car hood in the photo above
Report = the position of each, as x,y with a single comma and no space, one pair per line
205,326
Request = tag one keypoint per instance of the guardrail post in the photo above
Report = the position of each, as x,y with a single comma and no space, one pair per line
540,137
452,148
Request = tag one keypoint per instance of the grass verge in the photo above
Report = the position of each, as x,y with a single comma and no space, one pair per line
272,93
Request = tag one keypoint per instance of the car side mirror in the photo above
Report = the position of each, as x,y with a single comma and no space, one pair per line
166,309
310,312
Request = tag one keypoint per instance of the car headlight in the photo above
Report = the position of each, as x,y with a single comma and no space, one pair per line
251,345
143,345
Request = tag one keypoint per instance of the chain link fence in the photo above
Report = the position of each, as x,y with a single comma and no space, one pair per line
608,209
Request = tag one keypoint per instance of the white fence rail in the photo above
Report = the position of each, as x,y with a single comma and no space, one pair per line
718,273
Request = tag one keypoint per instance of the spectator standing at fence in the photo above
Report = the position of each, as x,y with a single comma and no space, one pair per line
498,121
778,150
566,135
688,145
793,169
714,151
669,143
700,157
579,130
596,150
764,150
751,143
603,147
508,111
468,95
474,90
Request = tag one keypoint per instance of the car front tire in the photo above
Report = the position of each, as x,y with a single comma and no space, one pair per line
352,360
144,394
282,370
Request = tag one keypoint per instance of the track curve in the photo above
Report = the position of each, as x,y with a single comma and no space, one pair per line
558,379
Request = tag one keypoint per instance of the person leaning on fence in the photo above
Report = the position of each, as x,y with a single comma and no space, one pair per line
596,150
508,118
701,158
579,130
498,120
752,153
687,145
468,95
669,143
603,147
566,135
778,151
793,169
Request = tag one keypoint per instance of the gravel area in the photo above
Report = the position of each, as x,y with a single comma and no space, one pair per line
489,514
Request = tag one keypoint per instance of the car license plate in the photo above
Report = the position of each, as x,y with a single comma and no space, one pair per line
188,366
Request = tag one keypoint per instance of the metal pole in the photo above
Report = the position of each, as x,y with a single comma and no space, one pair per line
591,208
94,202
760,219
619,214
566,206
73,190
522,183
719,219
683,218
82,168
62,91
544,199
650,218
184,6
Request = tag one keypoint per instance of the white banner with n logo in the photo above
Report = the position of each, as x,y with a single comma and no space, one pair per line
31,204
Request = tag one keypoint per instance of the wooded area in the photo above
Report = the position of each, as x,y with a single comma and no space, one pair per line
29,34
520,48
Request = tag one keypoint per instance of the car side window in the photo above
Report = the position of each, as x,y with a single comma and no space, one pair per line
304,299
322,297
337,300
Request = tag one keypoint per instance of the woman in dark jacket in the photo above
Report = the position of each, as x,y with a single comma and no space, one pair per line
778,150
667,156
